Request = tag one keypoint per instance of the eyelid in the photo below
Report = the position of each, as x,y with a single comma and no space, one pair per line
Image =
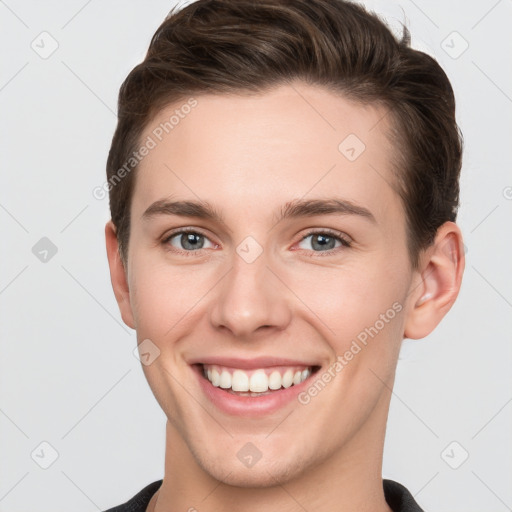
344,239
186,229
327,231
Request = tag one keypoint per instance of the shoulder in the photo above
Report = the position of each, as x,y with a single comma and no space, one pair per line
399,498
140,501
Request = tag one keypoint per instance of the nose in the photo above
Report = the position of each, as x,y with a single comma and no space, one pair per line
251,300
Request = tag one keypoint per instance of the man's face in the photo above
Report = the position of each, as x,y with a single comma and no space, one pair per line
252,286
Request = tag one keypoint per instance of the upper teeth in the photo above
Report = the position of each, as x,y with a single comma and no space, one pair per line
259,380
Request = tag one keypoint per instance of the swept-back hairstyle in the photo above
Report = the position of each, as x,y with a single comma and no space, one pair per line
249,46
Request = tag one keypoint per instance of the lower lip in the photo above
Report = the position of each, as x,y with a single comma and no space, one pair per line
237,405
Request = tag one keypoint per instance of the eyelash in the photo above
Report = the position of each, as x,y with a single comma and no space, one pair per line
345,242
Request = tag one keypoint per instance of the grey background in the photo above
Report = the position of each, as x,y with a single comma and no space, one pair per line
68,376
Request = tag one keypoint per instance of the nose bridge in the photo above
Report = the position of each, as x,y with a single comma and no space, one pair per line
250,296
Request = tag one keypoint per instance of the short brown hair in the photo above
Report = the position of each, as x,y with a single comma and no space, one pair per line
244,46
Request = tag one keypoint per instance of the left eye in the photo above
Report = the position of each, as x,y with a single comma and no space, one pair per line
324,241
188,240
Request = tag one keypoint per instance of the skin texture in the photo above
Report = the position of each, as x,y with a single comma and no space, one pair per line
248,156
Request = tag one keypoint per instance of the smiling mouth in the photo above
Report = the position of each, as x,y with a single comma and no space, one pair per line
257,382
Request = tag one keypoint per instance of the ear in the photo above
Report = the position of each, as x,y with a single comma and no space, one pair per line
438,282
118,275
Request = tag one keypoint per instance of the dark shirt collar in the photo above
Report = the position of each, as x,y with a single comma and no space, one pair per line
397,497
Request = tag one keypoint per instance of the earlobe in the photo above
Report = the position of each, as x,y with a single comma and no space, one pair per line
118,275
434,293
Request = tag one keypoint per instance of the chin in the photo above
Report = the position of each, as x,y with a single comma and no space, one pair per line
265,473
262,477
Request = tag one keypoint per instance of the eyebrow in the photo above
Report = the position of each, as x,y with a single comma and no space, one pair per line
311,207
200,209
293,209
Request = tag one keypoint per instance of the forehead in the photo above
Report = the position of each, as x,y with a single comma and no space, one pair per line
291,142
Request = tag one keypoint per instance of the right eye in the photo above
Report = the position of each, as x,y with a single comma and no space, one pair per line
187,240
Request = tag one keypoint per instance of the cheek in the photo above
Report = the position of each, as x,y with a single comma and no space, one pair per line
351,298
162,296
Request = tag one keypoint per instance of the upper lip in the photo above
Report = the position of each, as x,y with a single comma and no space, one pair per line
250,364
